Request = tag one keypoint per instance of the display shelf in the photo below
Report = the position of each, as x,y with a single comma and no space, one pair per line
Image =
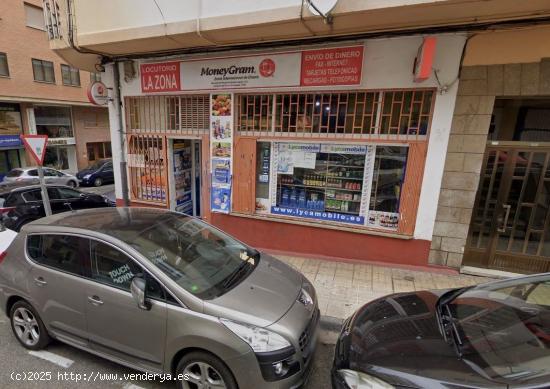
340,211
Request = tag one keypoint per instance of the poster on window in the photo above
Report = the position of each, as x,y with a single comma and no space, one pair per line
221,150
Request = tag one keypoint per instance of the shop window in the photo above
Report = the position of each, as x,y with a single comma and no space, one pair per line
43,71
4,68
10,119
34,17
146,165
399,114
57,158
255,112
53,121
387,180
176,114
98,150
263,171
354,184
70,75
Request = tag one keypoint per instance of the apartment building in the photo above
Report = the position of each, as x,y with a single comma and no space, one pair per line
42,94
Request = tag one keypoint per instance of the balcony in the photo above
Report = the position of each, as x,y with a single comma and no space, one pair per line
125,27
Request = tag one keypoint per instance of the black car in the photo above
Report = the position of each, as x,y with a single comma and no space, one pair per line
495,335
24,204
97,174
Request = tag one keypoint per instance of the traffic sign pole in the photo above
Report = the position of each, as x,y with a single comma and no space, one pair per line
45,197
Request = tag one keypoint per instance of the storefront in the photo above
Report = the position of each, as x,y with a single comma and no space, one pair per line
56,122
318,150
11,147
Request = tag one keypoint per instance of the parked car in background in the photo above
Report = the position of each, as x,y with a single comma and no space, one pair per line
164,293
29,175
97,174
26,204
495,335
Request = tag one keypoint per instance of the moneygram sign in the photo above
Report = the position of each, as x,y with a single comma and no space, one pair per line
321,67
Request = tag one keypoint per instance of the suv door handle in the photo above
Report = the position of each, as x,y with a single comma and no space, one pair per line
95,300
39,281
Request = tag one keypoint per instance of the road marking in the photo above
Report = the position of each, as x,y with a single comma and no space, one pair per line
129,385
53,358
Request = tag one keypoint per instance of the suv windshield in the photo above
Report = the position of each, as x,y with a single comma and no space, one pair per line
505,329
200,258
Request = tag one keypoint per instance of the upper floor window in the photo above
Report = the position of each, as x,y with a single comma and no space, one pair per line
95,77
4,69
70,75
43,71
34,17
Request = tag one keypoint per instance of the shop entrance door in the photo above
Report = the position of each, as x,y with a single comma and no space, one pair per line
510,228
185,180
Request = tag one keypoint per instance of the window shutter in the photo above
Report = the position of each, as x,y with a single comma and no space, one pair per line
244,171
410,192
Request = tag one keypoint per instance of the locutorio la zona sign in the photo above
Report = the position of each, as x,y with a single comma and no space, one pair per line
320,67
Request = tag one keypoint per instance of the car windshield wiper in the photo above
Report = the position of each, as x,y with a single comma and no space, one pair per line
446,319
242,266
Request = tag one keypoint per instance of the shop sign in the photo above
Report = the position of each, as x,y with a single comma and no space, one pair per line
320,67
319,215
61,141
98,93
334,66
10,141
160,77
221,151
343,149
258,71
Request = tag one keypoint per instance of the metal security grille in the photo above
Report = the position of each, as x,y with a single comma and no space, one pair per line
168,114
401,114
146,168
255,113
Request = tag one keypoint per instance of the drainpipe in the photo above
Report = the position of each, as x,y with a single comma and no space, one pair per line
122,139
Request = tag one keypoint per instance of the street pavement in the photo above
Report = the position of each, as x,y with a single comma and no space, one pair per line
64,365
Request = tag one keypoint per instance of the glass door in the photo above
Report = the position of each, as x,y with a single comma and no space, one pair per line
510,222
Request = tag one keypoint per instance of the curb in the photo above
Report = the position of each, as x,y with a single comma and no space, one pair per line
331,323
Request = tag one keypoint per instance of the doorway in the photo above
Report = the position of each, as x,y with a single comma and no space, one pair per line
510,225
184,158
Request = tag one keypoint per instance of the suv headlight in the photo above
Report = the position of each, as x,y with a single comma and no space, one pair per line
357,380
260,339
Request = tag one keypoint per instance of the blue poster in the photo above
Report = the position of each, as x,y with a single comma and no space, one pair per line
320,215
10,141
220,200
221,168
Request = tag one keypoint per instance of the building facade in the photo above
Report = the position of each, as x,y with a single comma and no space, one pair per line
41,94
405,139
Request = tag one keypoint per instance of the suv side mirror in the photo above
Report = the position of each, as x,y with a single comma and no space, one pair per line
137,288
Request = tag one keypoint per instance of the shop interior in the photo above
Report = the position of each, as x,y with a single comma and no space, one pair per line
185,179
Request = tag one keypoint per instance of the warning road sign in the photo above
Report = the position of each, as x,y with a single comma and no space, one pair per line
36,145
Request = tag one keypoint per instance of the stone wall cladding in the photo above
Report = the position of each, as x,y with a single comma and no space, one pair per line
478,88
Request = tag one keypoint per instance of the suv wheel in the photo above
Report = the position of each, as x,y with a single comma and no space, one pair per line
72,184
203,370
98,181
28,327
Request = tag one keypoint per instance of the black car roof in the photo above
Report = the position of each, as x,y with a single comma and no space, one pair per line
20,187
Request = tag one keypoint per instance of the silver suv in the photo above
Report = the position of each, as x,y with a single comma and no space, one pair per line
160,292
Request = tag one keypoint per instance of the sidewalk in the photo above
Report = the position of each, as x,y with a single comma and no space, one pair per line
343,287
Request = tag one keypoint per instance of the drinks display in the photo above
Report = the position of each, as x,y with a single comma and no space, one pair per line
335,185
